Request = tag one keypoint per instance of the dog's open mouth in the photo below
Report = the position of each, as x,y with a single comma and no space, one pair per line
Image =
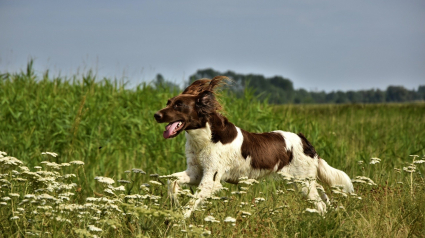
172,129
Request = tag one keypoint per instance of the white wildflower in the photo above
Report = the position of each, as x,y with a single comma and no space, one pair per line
108,191
50,153
52,165
6,199
59,218
206,233
358,181
14,195
15,172
360,162
38,167
93,228
138,171
10,161
248,181
230,219
339,191
77,162
47,173
365,179
375,161
3,204
45,207
119,188
65,164
104,180
172,177
133,196
2,154
70,176
4,181
24,168
239,192
409,169
45,196
63,198
91,199
14,218
419,161
257,200
123,181
246,213
211,219
155,182
311,210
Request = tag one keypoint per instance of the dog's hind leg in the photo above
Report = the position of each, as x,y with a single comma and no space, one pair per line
322,193
309,191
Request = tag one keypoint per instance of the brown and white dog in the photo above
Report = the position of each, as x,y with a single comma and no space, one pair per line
217,150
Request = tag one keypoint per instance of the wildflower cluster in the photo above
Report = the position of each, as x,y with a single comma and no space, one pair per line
47,196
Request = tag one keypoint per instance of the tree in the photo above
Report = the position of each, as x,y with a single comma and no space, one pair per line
397,94
421,92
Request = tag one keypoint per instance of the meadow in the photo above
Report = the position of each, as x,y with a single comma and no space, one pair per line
104,178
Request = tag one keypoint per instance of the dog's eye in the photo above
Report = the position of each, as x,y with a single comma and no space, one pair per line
178,104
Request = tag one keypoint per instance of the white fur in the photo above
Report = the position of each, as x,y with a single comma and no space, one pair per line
207,160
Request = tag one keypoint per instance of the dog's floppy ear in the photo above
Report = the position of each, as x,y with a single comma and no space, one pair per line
197,87
206,103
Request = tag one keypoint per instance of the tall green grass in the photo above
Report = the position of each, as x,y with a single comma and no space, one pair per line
112,130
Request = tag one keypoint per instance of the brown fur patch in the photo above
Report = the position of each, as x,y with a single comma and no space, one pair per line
222,130
307,146
266,150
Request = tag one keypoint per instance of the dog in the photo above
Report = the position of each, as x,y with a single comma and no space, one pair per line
217,150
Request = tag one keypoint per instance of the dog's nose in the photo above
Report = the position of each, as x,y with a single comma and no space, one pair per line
158,116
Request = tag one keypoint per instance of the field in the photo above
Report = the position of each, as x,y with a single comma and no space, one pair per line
100,129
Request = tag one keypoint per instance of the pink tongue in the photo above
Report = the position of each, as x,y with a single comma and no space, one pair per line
169,129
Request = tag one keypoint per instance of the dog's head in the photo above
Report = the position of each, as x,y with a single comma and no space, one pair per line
190,109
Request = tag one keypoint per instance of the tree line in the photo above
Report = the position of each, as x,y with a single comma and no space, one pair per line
280,90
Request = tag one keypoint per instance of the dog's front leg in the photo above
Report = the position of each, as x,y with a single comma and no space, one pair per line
191,176
210,183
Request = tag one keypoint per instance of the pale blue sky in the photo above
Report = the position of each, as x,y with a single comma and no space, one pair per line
319,45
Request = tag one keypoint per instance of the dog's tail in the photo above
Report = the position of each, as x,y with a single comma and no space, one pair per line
334,177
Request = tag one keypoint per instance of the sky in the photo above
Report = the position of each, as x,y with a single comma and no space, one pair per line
319,45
